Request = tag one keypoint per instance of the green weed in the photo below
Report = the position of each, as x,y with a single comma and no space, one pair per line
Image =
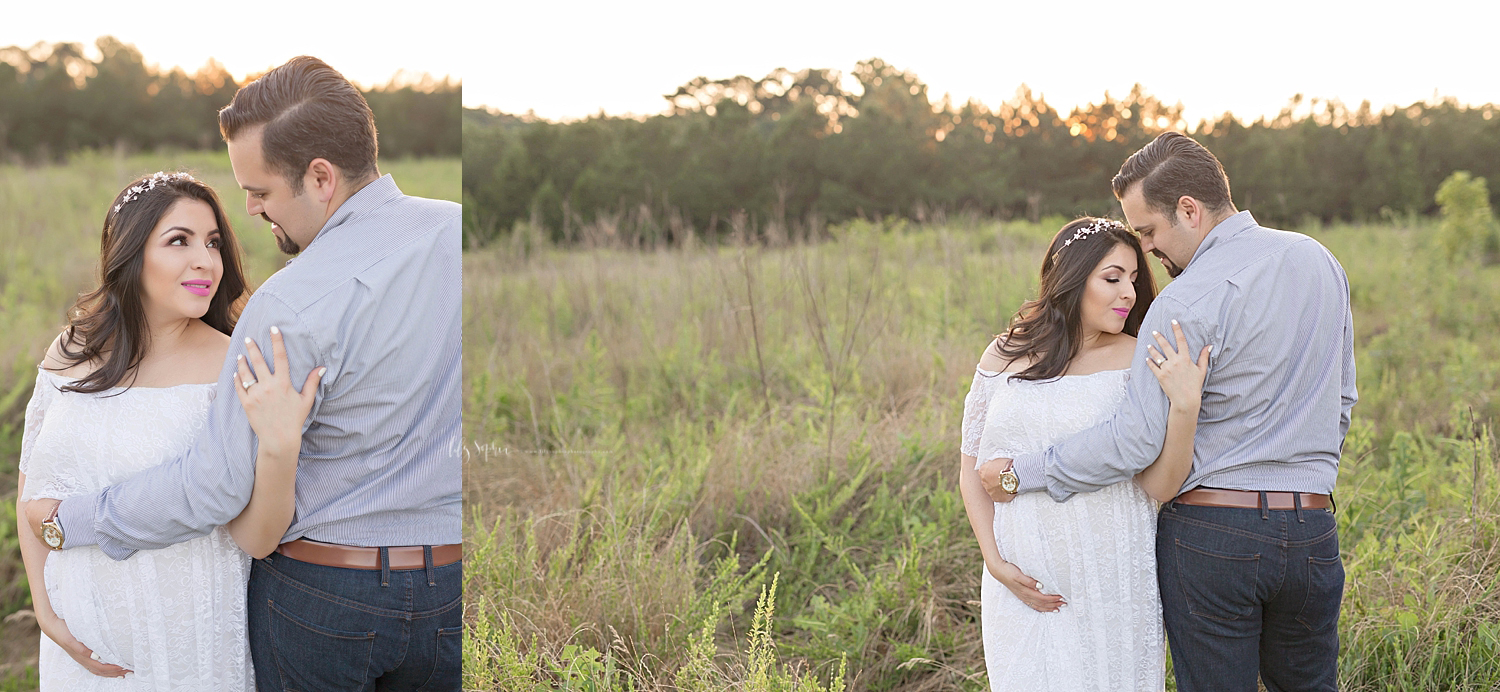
648,427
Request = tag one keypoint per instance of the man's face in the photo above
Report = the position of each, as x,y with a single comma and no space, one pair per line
295,218
1161,235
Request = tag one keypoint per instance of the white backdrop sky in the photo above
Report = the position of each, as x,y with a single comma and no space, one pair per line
567,60
369,46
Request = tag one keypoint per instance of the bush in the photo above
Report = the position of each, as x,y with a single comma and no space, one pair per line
1468,227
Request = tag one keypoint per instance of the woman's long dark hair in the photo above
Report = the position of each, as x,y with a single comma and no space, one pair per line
108,324
1049,327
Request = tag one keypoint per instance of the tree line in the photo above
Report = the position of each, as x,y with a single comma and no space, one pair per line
794,151
55,100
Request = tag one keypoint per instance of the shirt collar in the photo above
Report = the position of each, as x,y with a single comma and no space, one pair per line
371,196
1226,229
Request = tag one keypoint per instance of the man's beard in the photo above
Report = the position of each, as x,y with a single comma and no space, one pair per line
284,242
1172,269
289,247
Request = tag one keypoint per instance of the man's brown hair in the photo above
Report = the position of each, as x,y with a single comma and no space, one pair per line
1171,166
309,111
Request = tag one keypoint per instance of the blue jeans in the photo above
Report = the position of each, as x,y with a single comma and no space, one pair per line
315,628
1247,592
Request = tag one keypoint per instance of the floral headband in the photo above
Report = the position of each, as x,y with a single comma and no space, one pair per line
134,192
1086,231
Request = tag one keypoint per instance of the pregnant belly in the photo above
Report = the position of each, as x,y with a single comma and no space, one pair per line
1084,541
142,608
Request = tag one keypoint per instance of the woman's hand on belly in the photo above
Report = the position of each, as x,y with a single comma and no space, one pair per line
1026,588
57,630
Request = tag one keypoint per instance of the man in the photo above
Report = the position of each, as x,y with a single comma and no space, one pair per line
367,582
1247,555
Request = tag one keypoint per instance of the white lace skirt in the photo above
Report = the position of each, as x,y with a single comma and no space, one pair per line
1098,550
175,616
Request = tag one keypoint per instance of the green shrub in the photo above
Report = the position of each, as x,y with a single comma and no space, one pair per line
1468,229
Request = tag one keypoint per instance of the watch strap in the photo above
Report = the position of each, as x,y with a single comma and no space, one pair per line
52,523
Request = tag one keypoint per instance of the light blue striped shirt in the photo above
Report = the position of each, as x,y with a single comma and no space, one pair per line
376,297
1280,385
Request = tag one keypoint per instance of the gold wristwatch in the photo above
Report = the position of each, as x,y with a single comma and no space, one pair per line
1009,482
52,533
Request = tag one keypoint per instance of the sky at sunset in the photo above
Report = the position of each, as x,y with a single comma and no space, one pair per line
571,60
369,48
574,59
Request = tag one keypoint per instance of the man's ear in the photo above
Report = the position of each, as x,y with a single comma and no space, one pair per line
1191,211
322,178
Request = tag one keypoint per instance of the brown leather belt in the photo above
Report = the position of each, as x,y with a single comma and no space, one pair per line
1250,499
354,557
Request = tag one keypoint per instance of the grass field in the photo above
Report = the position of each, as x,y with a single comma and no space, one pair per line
50,219
659,442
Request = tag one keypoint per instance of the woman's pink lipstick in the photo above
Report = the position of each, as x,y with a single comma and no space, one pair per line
198,288
1122,311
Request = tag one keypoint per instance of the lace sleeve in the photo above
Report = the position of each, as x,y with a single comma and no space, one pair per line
41,396
976,404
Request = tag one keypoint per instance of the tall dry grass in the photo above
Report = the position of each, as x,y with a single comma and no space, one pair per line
654,434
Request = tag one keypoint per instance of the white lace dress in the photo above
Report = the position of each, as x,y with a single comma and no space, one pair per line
1097,549
174,616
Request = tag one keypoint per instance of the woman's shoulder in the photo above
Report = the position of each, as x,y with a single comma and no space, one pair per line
1111,353
993,360
57,363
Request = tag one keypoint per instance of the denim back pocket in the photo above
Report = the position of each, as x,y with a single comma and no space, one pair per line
311,657
1325,591
447,672
1217,584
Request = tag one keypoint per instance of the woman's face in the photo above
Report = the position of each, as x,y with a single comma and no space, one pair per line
1110,292
182,266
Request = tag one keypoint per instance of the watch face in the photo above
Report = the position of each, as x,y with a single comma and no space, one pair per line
52,537
1009,482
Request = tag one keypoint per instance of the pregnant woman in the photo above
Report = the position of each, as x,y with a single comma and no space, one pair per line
126,386
1069,595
